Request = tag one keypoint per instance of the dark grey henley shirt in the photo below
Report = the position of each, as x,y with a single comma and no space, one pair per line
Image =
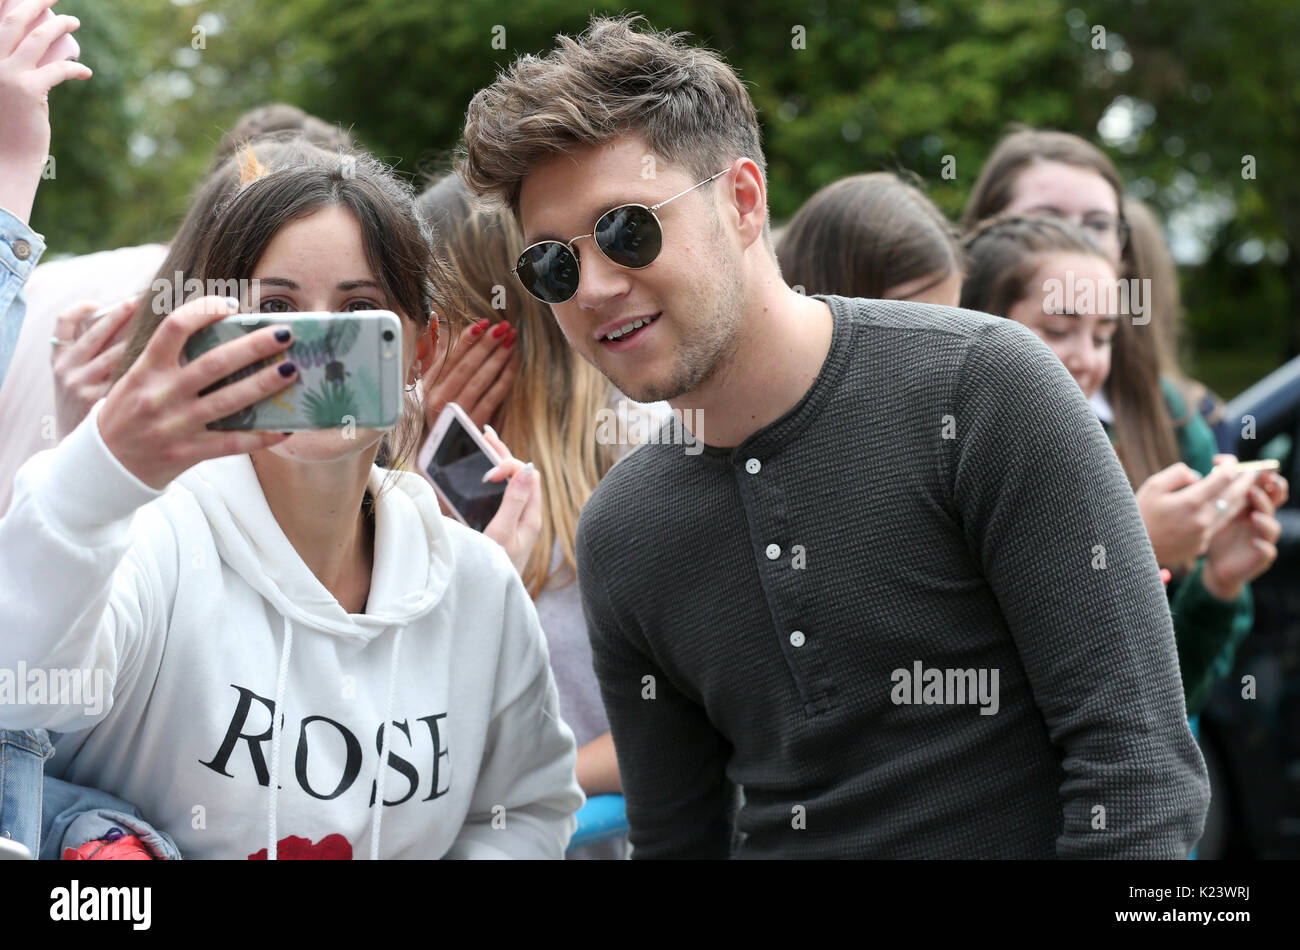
941,506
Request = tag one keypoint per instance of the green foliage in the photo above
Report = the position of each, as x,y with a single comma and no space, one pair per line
880,85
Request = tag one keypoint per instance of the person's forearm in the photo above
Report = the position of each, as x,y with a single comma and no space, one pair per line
19,178
598,767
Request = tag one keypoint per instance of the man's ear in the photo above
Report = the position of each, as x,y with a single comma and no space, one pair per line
749,201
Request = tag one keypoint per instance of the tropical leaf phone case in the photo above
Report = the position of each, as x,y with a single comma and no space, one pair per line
349,370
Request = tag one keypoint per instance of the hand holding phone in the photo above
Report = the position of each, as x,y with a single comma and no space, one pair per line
518,521
154,420
469,469
349,370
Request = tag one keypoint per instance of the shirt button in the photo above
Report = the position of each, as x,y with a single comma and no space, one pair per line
752,466
773,552
796,638
22,250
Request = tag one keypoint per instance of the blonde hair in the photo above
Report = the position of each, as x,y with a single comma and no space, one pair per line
550,416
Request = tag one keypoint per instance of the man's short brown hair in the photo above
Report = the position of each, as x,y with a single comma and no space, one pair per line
686,102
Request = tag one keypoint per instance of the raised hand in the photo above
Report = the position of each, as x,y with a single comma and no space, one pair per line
154,420
27,35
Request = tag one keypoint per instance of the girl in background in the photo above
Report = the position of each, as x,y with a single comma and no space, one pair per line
513,372
875,236
1152,261
1222,537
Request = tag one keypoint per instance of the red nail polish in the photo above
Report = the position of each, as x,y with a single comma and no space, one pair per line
510,340
479,327
500,330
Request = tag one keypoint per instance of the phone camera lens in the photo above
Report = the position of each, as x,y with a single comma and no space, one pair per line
388,336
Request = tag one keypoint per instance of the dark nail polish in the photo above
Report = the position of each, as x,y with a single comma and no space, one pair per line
282,336
287,369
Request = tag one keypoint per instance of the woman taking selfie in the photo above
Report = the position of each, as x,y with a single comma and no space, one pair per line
299,654
1213,526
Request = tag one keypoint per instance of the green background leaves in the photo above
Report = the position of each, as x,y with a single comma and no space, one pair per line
1191,89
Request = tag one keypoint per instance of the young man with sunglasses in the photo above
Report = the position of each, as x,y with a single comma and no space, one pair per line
896,512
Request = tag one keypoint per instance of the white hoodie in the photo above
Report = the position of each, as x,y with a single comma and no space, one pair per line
203,619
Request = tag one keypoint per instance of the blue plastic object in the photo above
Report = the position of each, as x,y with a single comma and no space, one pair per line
602,818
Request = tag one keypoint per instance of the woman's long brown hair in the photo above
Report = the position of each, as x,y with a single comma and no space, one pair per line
1152,261
861,235
551,413
1144,430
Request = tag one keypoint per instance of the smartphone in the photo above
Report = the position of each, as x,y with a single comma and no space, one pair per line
349,370
65,47
1259,465
455,456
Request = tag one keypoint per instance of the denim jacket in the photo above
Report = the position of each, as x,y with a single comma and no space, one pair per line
48,814
20,251
22,767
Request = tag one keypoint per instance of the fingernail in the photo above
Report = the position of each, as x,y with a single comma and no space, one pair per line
500,330
287,369
529,468
491,431
232,303
510,340
487,476
282,335
479,327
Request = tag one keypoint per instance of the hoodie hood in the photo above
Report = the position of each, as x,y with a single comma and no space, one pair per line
413,555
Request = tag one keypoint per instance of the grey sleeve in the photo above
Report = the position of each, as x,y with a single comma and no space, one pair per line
671,759
1050,516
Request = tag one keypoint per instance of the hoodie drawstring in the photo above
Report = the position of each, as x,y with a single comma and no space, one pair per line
277,731
383,746
277,728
